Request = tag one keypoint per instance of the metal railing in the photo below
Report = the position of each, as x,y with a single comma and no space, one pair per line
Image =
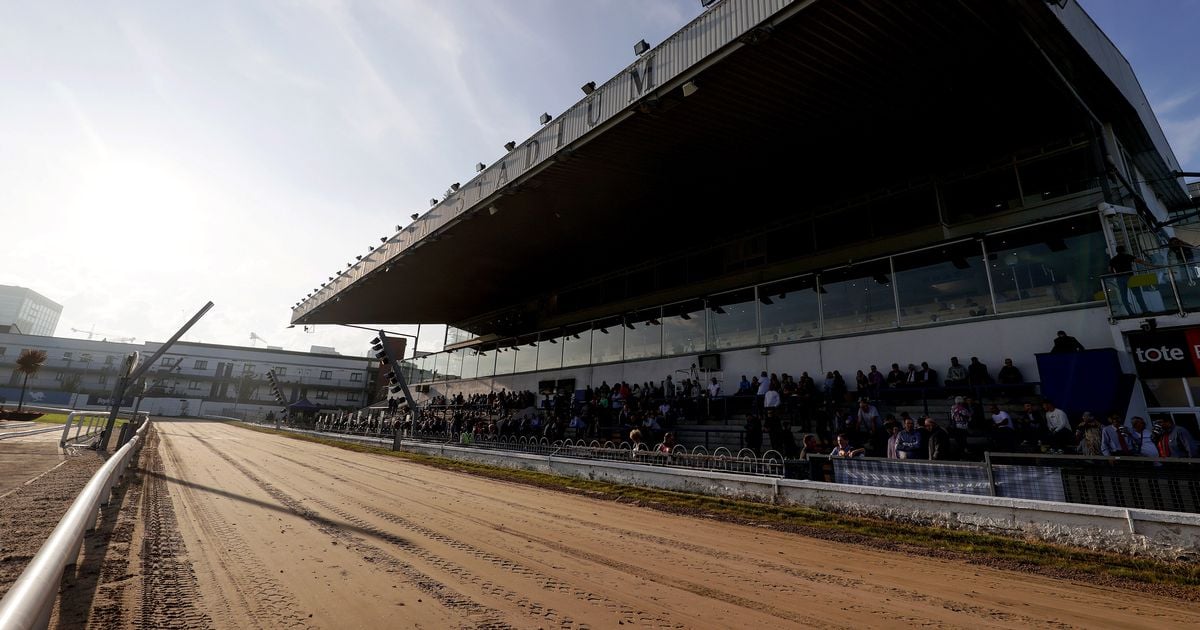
722,459
1167,290
89,427
30,600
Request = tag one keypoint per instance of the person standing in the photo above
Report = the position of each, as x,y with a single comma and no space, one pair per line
1175,440
939,440
911,441
1066,343
1141,442
1123,265
1114,438
754,433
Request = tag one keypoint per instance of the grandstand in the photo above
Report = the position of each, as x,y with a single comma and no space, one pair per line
810,186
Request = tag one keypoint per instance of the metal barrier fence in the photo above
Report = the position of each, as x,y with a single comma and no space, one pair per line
30,600
1166,290
89,426
722,459
1130,482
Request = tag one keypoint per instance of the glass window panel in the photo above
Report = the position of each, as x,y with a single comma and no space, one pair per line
643,335
732,320
683,328
1165,392
608,339
424,369
527,352
1051,264
943,284
454,364
439,365
577,346
470,362
506,360
789,310
1194,385
858,298
431,338
1058,175
406,371
456,335
549,352
487,362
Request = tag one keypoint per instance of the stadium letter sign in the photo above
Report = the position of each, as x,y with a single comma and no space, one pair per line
1166,354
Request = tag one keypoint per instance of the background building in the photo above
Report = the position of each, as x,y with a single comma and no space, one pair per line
193,379
31,312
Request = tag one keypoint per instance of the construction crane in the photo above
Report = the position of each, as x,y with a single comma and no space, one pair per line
255,338
92,333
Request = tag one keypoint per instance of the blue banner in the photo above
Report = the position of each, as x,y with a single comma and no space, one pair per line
33,396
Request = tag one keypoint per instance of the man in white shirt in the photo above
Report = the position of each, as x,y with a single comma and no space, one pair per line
771,398
1057,424
1001,418
1141,443
714,389
764,384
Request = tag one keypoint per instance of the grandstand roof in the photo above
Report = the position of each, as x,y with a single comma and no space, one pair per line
757,111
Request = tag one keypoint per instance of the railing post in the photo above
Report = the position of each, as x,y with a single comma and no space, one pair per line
987,462
1175,290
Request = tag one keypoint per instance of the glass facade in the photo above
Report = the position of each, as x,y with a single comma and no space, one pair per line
683,328
788,310
643,335
526,353
549,352
1051,264
608,340
487,362
577,346
857,299
732,320
942,284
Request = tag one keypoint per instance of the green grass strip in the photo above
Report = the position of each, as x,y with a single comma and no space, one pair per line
1177,579
61,418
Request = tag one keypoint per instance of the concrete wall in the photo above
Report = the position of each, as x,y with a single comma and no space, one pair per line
1162,535
991,339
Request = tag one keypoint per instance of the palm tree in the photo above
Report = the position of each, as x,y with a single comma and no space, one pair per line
29,363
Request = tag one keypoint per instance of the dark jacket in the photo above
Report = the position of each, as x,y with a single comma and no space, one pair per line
939,444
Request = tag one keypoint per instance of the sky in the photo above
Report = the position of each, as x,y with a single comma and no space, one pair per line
156,155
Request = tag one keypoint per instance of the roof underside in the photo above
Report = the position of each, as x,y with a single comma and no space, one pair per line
841,98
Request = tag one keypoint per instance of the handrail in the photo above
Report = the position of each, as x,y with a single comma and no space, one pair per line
31,599
94,428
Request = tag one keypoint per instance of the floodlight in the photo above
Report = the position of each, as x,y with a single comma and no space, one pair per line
589,87
640,48
544,118
510,145
414,216
689,88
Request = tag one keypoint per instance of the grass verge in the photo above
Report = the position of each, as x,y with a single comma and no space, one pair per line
1176,579
61,418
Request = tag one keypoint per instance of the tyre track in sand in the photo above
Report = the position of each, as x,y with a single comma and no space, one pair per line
696,566
532,557
169,590
479,616
621,612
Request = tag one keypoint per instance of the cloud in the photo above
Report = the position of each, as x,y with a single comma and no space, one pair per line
68,98
1175,102
1184,135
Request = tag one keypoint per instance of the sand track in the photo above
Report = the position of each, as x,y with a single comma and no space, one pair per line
241,529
